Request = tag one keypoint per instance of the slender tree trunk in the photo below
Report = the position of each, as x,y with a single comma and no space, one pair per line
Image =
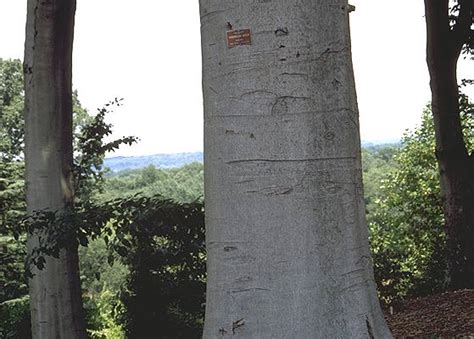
455,165
56,305
287,241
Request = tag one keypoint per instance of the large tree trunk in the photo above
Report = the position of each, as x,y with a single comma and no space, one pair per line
455,164
56,305
287,241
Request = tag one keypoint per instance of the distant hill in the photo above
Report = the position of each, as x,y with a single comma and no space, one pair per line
380,143
117,164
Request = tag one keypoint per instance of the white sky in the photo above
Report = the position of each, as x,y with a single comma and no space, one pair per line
148,52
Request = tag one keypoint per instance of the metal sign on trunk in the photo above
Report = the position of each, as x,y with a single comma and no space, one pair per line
239,37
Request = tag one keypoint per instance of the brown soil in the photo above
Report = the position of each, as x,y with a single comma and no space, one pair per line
447,315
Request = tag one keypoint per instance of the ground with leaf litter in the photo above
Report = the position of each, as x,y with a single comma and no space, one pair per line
447,315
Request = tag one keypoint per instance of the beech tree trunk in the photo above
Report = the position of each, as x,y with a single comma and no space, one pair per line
55,291
455,164
287,240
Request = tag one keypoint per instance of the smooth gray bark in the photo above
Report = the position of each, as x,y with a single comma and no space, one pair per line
287,241
56,306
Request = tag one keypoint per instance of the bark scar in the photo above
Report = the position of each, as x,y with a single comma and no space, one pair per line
281,31
369,328
237,324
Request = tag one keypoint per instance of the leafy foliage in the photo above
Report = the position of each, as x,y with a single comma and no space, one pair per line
406,226
184,184
102,284
96,272
12,201
12,253
11,110
102,311
376,162
461,20
166,257
161,241
91,149
15,318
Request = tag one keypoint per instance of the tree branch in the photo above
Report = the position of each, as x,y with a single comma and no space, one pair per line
462,28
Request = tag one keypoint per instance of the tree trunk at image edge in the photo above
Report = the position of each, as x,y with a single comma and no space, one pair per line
55,292
455,165
287,241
